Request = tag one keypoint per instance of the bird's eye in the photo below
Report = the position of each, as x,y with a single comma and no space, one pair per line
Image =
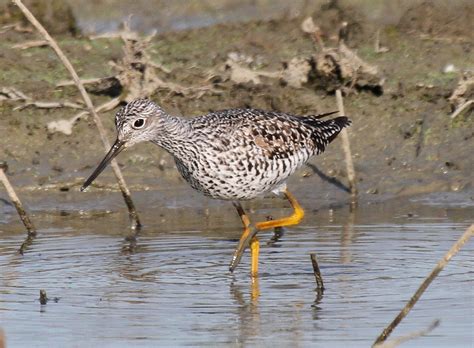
137,124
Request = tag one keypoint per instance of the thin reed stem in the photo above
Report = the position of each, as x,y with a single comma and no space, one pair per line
317,273
434,273
103,136
18,205
346,146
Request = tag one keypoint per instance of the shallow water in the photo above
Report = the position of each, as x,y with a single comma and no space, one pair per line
173,287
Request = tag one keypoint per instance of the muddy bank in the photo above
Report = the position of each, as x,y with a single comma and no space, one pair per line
403,140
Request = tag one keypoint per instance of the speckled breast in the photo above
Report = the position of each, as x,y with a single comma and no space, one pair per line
240,173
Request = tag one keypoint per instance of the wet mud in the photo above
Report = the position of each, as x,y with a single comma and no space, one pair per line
403,141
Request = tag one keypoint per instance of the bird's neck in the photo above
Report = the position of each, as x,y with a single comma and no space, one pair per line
174,133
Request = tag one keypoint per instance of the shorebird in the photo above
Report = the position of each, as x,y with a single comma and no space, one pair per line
233,155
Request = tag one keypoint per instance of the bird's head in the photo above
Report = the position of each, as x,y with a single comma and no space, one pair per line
136,122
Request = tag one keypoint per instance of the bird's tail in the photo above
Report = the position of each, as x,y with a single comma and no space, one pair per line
324,114
326,131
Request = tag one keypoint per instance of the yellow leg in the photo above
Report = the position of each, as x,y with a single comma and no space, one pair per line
255,290
254,251
293,219
254,243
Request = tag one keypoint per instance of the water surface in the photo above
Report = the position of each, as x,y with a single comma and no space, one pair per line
173,286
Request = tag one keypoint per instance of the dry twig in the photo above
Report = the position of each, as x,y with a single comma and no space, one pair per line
31,44
11,93
346,145
17,203
136,72
50,105
83,81
118,174
65,125
463,94
377,47
340,67
239,74
309,27
461,108
399,340
6,28
434,273
16,27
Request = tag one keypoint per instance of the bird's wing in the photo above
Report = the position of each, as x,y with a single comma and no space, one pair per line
278,135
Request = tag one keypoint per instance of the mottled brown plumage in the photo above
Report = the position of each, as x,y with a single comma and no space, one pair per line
235,154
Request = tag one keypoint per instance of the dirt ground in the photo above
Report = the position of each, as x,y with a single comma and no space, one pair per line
403,140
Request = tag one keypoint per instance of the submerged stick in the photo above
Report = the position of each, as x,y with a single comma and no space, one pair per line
26,243
43,297
434,273
17,203
103,136
317,273
346,145
399,340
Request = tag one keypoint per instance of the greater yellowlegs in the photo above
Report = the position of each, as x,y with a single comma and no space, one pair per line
234,155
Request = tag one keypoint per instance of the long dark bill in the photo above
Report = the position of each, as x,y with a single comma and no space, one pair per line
114,151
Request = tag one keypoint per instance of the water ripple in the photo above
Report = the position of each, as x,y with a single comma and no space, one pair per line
174,288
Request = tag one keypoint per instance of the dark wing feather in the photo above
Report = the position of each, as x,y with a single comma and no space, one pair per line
283,135
325,131
279,135
323,114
